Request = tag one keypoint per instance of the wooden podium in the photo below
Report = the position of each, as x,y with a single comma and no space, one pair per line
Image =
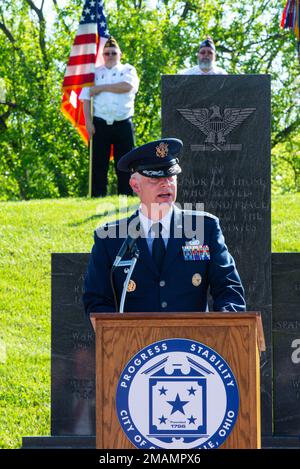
237,337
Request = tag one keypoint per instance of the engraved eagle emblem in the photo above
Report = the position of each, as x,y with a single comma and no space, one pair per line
213,124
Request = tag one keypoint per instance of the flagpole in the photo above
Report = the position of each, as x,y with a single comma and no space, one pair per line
76,78
91,151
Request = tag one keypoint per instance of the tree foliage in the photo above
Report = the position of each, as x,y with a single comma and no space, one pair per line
41,155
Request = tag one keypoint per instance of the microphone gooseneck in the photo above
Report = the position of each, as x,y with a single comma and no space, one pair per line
128,246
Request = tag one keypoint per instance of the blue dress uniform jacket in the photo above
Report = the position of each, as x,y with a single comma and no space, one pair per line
181,286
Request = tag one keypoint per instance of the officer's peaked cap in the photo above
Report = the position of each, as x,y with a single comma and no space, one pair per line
154,159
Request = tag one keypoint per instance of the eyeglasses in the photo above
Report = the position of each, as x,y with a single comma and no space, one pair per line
202,52
109,53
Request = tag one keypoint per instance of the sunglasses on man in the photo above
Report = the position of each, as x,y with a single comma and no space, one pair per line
109,53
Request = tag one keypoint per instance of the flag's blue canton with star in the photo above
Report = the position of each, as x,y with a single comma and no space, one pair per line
93,13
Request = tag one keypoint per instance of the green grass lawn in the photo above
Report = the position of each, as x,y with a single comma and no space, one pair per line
286,223
29,232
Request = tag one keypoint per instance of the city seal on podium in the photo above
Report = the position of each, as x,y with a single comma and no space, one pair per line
177,394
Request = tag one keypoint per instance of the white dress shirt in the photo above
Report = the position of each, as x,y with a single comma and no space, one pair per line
147,223
113,106
197,71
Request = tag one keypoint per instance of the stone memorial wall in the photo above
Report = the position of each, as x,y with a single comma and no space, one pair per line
72,350
286,343
224,123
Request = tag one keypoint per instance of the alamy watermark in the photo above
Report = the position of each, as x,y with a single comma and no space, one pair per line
188,220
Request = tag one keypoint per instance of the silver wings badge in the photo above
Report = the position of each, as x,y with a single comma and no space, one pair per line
216,126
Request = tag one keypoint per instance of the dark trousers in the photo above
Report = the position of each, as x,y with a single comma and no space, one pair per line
121,135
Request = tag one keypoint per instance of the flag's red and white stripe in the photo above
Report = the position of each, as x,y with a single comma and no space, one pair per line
81,66
85,56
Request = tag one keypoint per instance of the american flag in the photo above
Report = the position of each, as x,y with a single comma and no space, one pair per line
291,19
85,55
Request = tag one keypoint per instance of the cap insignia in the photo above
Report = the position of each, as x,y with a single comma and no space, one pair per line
162,150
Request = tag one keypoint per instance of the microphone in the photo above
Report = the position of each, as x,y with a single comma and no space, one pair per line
127,246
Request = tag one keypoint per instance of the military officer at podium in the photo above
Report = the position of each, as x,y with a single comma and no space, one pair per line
206,60
182,253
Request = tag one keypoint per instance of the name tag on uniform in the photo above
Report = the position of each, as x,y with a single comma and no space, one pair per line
194,251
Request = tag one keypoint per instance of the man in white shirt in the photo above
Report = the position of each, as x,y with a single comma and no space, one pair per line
206,61
114,92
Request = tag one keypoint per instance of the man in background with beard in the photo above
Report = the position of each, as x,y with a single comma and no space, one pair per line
206,61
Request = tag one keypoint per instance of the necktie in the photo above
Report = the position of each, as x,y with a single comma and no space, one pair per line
158,246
